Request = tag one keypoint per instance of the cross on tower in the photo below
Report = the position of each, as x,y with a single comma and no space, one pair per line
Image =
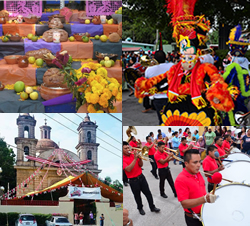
45,121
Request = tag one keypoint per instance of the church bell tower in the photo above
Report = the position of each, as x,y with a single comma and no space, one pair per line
87,146
26,142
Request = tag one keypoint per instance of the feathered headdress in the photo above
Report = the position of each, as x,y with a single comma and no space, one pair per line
186,26
238,41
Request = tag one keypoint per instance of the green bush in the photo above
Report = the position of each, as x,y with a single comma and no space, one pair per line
41,218
3,219
12,217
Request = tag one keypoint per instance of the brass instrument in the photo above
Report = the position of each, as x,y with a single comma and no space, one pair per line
144,153
207,51
175,151
131,129
145,61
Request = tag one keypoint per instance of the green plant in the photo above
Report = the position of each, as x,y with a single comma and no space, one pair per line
41,218
3,219
12,217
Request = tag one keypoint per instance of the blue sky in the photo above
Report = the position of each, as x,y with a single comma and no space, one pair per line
110,164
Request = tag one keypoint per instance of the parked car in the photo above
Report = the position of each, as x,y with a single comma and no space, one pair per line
58,221
26,220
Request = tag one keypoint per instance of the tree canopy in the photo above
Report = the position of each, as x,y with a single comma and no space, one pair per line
141,18
7,161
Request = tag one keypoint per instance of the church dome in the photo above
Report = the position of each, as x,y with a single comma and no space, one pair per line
46,144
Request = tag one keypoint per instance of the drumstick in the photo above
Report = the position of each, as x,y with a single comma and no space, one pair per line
212,175
217,155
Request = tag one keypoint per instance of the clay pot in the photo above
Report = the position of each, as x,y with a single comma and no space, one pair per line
23,61
11,59
32,20
2,87
2,20
15,38
78,36
48,93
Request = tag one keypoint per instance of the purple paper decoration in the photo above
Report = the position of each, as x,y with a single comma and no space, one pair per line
24,8
97,8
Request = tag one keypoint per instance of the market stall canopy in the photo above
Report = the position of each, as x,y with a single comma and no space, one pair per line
86,179
128,49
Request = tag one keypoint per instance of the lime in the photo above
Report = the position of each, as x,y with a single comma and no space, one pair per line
39,62
19,86
71,39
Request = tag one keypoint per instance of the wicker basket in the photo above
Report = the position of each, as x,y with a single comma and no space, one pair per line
101,56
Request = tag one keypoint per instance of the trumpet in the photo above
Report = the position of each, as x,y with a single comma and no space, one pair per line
144,153
147,62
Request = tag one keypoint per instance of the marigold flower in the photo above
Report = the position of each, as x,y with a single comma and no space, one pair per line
91,108
94,98
100,111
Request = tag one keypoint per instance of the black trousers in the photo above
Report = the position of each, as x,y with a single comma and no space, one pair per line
192,221
146,103
210,187
183,165
154,166
165,173
159,104
138,185
124,177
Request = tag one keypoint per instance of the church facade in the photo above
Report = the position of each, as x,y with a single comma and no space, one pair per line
28,145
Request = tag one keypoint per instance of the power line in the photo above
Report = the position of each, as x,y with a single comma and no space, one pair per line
77,133
114,117
101,131
96,136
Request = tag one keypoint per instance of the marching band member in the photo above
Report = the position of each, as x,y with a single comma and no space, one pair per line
190,188
183,147
226,143
134,143
162,159
218,144
151,152
210,166
132,165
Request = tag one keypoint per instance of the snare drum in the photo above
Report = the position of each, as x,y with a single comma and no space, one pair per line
230,208
238,156
235,150
237,171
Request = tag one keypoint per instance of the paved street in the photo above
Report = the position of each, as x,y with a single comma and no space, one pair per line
171,211
132,112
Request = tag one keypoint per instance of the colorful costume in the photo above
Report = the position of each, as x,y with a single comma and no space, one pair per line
196,91
237,72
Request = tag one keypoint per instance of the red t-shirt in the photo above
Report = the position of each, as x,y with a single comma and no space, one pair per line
151,151
190,186
220,149
133,144
226,145
182,147
209,164
136,171
159,156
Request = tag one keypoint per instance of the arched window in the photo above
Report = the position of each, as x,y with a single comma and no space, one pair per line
26,152
89,136
26,132
89,155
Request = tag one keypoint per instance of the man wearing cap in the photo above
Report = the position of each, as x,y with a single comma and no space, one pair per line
159,99
191,189
162,159
209,136
210,166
